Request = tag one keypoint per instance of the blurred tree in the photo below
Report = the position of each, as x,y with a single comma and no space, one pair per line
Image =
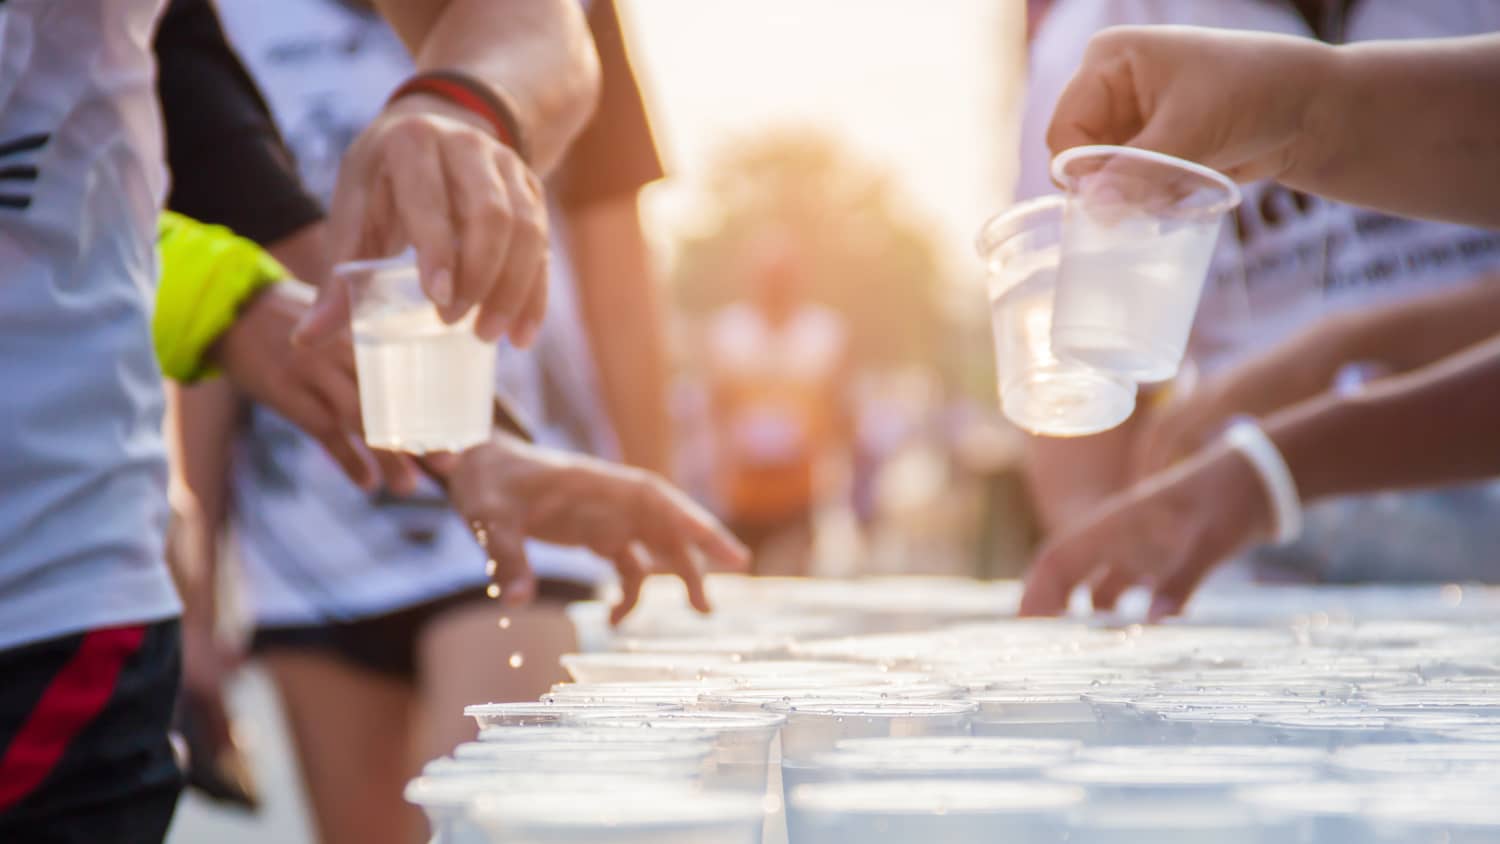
867,256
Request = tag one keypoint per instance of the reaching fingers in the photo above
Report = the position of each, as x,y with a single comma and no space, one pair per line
632,565
508,567
529,321
1107,590
328,317
1186,572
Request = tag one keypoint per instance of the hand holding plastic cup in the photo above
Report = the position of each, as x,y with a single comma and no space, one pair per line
1138,236
424,386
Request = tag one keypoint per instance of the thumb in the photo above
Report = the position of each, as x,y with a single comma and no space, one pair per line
328,317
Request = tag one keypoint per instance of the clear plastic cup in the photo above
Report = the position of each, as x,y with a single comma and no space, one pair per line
1039,391
947,811
816,726
688,759
524,714
639,815
446,798
1312,811
741,740
1020,714
673,692
625,667
424,385
1138,237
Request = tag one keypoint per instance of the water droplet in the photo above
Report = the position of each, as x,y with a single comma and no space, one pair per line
493,590
490,567
516,660
504,622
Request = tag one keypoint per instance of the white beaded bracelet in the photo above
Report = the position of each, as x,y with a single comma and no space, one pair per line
1246,437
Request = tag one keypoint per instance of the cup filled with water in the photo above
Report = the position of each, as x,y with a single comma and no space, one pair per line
424,385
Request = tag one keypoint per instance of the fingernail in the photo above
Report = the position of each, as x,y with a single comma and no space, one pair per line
516,593
490,327
441,288
526,333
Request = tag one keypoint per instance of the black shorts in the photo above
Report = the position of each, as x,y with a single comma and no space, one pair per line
83,727
387,644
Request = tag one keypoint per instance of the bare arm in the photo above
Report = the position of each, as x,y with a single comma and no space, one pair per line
622,307
1068,477
1408,127
1398,337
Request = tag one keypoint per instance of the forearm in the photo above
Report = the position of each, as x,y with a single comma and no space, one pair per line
537,51
1399,337
622,307
1409,127
1069,477
1432,427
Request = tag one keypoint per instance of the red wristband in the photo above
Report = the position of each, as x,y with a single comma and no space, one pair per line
473,96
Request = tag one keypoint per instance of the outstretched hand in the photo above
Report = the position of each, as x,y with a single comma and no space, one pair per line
1166,532
508,492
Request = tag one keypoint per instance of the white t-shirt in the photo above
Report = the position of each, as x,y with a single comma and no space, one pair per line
1284,258
313,546
82,468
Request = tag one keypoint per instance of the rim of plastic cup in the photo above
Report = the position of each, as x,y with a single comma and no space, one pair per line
576,732
875,708
961,744
689,722
935,796
562,709
642,807
406,260
917,763
458,788
679,751
1151,755
1008,223
1177,776
1064,159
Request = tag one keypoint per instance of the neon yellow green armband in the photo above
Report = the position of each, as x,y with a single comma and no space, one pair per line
207,273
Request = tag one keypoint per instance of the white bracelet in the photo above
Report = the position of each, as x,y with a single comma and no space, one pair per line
1246,437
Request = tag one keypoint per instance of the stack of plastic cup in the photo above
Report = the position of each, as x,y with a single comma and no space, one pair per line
948,811
639,815
446,798
742,741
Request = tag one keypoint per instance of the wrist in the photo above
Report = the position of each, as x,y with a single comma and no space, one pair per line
481,103
1329,76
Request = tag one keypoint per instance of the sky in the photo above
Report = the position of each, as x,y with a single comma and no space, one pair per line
927,87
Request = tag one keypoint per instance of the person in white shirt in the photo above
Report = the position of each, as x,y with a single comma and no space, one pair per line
89,644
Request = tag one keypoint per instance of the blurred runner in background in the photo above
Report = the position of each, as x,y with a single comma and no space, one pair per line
1287,262
778,374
